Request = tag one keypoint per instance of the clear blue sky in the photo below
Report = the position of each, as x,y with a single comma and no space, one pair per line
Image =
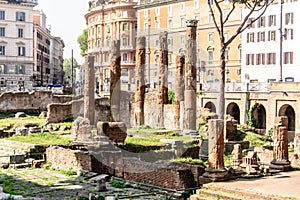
66,18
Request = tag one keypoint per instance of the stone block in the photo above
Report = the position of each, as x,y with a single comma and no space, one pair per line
16,159
116,131
21,131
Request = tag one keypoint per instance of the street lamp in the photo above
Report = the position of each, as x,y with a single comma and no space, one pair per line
280,42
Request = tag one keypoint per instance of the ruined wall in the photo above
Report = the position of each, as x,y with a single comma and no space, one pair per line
25,101
66,159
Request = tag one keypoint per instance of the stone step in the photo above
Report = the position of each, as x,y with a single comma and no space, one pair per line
211,191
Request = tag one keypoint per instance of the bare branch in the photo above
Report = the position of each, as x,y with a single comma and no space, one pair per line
231,11
214,18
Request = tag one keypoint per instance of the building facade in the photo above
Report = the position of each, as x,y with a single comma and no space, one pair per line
170,16
29,55
269,50
106,21
16,44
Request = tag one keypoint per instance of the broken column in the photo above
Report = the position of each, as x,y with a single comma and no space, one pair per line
140,81
190,76
162,95
179,89
216,170
115,84
280,145
89,90
237,156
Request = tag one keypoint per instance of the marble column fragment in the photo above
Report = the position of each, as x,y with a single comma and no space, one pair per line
89,89
179,89
140,81
115,76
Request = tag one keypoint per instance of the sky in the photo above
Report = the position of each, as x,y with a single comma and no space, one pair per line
66,18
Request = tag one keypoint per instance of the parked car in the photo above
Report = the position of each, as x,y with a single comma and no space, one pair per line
57,89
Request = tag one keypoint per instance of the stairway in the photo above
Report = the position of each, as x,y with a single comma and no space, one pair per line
213,192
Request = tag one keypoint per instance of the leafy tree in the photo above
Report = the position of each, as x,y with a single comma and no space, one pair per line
68,69
82,41
255,9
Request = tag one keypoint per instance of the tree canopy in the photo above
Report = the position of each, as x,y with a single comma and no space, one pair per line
82,41
68,69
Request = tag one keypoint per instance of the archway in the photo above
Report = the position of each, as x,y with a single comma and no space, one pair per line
260,116
287,110
233,110
211,106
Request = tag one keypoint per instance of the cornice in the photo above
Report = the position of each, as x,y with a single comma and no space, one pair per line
157,3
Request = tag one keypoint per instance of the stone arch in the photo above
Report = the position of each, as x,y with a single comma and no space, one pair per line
211,106
260,116
288,110
233,110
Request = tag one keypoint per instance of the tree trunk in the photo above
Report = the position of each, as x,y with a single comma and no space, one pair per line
221,96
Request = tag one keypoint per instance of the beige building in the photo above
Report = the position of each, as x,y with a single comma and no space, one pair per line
106,21
16,44
156,16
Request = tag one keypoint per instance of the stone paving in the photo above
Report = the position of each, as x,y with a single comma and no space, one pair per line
53,185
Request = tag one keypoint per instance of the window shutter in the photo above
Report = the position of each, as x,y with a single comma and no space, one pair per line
257,55
274,58
292,18
258,37
284,57
252,61
247,59
292,56
274,20
5,69
23,69
263,58
292,33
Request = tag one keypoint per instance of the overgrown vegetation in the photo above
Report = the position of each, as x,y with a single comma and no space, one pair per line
19,122
119,184
189,160
132,141
171,96
43,139
256,139
250,114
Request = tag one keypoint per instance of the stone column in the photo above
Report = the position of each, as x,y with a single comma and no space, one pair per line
162,95
216,170
190,76
140,81
179,88
89,89
280,147
115,75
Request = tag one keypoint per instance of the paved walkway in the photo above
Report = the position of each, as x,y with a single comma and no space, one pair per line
286,184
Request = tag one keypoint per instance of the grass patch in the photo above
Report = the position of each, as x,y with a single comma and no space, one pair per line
69,172
256,139
189,161
19,122
132,141
119,184
43,139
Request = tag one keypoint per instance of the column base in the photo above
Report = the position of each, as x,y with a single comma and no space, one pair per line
215,175
281,165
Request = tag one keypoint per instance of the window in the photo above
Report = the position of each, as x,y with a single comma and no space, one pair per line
261,36
3,69
225,36
170,41
20,32
157,11
210,52
288,58
124,41
2,32
260,59
249,59
21,51
182,6
272,36
210,37
261,22
170,9
288,34
146,26
196,4
2,15
251,23
20,69
146,13
225,14
2,50
289,18
272,20
238,71
124,57
210,18
157,24
125,27
20,16
182,40
156,42
226,55
170,23
108,28
250,37
271,58
182,22
211,2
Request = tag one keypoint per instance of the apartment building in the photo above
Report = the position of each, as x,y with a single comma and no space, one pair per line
16,44
106,21
155,16
29,55
269,45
